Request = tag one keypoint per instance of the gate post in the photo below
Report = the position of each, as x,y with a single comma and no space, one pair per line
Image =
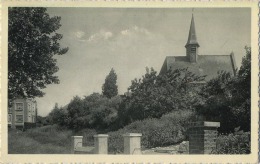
76,142
202,137
132,143
100,142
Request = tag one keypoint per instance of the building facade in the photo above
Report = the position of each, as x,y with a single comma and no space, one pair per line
22,114
202,65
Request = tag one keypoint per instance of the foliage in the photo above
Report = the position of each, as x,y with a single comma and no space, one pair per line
169,129
94,111
32,43
41,121
109,88
57,116
226,98
233,143
154,95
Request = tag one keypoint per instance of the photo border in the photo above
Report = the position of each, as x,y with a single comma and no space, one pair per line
86,158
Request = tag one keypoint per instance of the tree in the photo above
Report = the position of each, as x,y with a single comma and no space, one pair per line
32,44
76,110
155,95
93,111
57,115
227,98
109,88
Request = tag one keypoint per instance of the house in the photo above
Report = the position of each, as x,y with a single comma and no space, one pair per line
208,65
22,114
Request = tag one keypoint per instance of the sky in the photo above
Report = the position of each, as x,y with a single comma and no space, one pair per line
131,39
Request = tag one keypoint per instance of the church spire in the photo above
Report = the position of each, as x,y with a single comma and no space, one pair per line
192,39
192,44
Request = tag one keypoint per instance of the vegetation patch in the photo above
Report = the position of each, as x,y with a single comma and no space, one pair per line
233,143
43,140
168,130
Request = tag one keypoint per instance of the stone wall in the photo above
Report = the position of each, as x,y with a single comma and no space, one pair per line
202,137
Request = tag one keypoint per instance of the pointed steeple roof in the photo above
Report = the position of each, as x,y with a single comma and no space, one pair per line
192,39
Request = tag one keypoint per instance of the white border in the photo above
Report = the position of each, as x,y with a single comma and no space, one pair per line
80,158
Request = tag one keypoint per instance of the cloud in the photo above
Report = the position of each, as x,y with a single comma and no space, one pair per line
101,35
135,30
79,35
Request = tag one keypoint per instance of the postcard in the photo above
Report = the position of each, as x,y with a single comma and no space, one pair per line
129,82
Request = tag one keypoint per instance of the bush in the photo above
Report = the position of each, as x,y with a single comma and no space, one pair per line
234,143
169,129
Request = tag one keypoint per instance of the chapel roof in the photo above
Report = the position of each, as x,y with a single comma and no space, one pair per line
208,65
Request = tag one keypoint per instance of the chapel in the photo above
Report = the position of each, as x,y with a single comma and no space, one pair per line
198,64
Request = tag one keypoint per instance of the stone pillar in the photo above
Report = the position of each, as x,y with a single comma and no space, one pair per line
76,142
100,142
202,137
132,143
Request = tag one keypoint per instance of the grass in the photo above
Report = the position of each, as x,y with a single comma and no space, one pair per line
43,140
168,130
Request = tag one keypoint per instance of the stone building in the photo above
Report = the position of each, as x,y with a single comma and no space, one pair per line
22,114
208,65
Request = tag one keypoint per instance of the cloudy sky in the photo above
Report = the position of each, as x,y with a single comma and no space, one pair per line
130,39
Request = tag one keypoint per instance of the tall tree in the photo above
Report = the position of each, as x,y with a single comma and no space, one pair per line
227,98
110,87
154,95
32,44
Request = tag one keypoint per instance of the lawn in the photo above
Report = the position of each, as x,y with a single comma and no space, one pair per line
42,140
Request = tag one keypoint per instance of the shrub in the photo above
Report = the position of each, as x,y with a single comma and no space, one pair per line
233,143
169,129
115,142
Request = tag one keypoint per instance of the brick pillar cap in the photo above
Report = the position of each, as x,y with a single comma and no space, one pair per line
132,135
205,124
101,135
76,136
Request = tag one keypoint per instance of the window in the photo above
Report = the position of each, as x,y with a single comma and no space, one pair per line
9,118
193,49
19,106
19,118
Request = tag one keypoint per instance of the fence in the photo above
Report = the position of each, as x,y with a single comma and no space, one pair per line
202,140
132,144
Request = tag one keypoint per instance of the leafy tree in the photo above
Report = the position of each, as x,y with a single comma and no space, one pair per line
155,95
75,112
227,98
57,115
109,88
93,111
32,43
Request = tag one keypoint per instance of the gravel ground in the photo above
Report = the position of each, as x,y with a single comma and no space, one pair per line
181,148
